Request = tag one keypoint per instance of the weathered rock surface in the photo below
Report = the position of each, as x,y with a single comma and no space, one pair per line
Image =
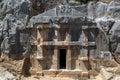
96,10
40,6
9,27
114,9
16,36
19,8
106,75
5,75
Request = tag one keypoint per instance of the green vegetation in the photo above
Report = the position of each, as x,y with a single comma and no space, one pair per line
1,19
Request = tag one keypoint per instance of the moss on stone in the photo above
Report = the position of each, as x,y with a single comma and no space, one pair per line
1,19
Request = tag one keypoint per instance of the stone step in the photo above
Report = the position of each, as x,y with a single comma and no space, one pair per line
65,73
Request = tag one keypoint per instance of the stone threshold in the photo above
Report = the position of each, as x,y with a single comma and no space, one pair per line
65,73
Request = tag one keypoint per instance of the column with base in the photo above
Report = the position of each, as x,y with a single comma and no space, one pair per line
68,59
39,46
83,48
55,54
55,59
78,60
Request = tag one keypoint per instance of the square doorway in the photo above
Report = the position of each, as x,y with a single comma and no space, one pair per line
62,58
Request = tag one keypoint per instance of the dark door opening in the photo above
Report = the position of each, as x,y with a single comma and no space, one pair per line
62,58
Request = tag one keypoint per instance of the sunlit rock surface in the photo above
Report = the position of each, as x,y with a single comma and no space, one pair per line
57,38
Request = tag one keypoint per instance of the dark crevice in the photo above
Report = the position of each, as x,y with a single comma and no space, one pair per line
26,67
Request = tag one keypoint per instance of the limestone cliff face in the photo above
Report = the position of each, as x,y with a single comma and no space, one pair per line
19,8
16,14
16,17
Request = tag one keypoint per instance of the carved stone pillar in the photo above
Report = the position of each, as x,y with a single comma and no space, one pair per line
56,35
77,64
55,59
39,37
68,59
39,52
39,46
84,43
78,60
68,37
83,53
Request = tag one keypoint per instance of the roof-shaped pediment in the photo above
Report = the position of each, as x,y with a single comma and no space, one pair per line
62,13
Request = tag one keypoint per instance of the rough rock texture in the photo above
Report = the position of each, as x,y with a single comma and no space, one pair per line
19,8
6,75
9,28
106,75
40,6
114,9
96,10
19,23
